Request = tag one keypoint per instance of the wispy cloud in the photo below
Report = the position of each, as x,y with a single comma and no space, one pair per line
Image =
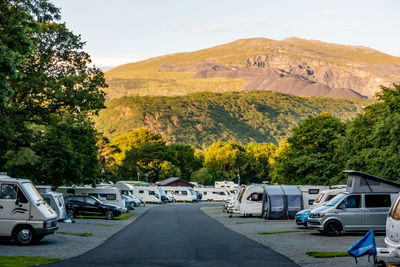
100,60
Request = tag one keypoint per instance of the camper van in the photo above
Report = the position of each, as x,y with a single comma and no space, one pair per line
54,199
250,201
322,198
213,194
147,194
281,201
181,193
24,215
310,194
107,194
364,206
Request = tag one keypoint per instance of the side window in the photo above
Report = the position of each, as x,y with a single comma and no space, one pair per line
311,201
21,197
351,202
76,199
205,193
8,191
71,191
141,191
151,192
329,197
184,193
47,200
255,197
111,197
90,201
377,201
313,191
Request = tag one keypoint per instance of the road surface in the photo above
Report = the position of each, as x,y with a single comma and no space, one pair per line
178,235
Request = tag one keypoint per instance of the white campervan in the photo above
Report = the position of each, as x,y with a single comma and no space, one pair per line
181,193
24,215
213,194
147,194
107,194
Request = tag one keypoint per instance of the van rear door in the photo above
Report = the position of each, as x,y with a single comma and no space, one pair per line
376,210
14,206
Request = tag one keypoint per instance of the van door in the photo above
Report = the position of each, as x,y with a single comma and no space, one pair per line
14,206
350,213
376,210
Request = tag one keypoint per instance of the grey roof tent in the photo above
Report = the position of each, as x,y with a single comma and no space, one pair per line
281,202
359,182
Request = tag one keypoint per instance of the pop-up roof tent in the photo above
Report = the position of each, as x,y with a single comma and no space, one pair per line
359,182
281,202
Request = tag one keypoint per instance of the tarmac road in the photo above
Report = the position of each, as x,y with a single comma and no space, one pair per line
178,235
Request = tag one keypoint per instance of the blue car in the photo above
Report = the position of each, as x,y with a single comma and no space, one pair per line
130,202
302,216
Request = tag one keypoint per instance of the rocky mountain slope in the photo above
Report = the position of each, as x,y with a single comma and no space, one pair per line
294,66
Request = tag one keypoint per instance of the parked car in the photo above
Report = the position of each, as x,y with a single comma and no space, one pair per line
130,202
90,206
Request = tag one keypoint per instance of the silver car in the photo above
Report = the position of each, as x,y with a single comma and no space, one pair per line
352,212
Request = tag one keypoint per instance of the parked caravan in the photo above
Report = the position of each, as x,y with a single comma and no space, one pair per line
24,215
147,194
310,194
213,194
392,239
250,201
54,199
364,206
281,202
107,194
181,193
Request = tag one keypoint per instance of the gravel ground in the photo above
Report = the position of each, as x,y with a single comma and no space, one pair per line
67,246
293,245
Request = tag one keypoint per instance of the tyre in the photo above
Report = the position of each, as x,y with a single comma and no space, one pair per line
333,228
109,215
132,205
24,235
70,214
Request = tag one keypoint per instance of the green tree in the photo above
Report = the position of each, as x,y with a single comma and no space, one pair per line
259,156
309,156
184,158
203,176
167,170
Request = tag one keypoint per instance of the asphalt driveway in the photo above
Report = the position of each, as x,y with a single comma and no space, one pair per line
178,235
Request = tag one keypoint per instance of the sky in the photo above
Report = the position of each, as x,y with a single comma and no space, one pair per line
123,31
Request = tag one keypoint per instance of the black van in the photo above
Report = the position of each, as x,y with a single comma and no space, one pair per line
90,206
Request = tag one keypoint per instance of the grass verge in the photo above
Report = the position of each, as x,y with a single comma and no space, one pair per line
333,254
21,261
284,232
76,234
123,216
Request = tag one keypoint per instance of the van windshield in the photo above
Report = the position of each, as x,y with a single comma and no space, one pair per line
32,192
335,200
319,197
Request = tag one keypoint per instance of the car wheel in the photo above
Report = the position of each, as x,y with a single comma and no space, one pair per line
132,205
333,228
109,215
70,214
24,235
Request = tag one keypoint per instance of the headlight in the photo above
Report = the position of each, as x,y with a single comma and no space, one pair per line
49,223
317,215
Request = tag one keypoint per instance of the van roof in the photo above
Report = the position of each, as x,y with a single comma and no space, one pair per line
5,178
372,177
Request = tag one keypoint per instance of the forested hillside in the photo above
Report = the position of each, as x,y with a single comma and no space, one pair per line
203,118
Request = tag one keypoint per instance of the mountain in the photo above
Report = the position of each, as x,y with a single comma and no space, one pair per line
293,66
203,118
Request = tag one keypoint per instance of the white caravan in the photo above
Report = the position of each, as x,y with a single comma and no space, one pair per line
54,199
107,194
250,201
310,193
327,195
181,193
147,194
24,215
213,194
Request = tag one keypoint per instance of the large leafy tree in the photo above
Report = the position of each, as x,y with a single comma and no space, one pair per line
184,159
54,93
309,157
372,141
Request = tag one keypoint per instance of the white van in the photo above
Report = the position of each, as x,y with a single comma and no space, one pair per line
147,194
107,194
24,215
182,193
213,194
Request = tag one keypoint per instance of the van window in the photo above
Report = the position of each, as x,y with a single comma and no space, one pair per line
151,192
58,201
311,201
377,201
351,202
350,181
329,197
255,197
184,193
47,199
21,197
395,210
71,191
319,197
8,191
111,197
141,191
205,193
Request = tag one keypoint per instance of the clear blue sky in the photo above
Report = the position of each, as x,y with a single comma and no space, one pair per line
122,31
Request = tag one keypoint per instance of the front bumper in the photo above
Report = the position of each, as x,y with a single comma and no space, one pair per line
46,231
315,223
